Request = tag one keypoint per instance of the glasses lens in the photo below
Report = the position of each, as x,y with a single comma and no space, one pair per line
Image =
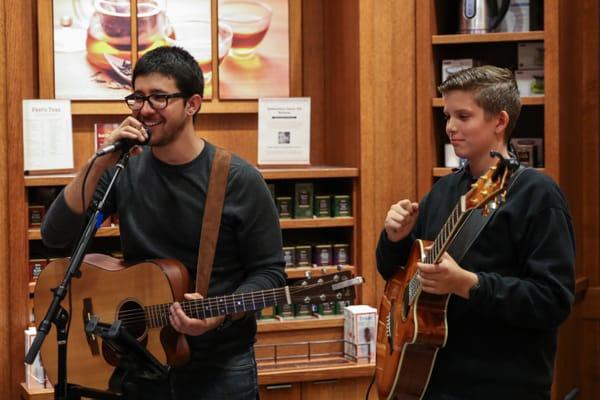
158,101
134,102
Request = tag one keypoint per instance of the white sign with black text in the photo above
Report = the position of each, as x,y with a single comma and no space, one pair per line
47,135
284,131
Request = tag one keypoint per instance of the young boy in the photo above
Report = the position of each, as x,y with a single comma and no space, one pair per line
515,285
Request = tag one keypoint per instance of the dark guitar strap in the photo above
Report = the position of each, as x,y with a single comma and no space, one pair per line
211,220
473,226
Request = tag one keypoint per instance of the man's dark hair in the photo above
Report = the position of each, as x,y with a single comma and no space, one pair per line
175,63
493,88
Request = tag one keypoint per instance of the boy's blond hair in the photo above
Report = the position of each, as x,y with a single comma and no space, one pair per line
494,90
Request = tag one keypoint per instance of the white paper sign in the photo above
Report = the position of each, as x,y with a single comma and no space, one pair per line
284,131
47,135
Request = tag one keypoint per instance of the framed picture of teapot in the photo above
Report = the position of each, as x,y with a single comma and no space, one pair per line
93,43
94,51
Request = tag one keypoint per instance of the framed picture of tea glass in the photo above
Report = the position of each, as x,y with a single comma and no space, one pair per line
92,49
257,64
181,23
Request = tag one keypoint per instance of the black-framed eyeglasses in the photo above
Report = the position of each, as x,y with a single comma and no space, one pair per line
157,101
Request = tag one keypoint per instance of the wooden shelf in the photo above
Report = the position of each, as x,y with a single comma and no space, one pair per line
300,272
316,373
269,377
36,394
308,172
443,171
438,102
269,173
488,37
48,180
118,107
276,325
300,223
303,223
35,234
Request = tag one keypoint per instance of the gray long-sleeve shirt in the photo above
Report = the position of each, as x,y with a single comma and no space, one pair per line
160,208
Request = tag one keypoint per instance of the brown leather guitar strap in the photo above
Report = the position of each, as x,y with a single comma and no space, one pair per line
211,220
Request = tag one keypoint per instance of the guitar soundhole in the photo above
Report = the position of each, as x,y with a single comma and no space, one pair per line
132,315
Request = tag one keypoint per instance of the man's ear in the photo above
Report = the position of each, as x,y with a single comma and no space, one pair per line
193,104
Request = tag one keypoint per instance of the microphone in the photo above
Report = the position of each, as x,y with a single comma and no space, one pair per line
123,145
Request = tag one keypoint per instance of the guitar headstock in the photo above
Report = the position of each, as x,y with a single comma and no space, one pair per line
490,189
332,287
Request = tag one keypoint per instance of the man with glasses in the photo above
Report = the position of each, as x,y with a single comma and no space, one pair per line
160,202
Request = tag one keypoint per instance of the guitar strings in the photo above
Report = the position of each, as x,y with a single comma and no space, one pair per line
154,315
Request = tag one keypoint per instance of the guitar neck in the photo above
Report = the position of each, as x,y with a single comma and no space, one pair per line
451,227
158,315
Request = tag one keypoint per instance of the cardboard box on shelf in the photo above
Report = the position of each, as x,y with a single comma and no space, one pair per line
360,333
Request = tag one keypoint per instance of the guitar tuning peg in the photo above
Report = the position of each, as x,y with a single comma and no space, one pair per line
493,205
308,274
485,212
473,185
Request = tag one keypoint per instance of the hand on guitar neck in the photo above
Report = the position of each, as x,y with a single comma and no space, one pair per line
192,326
401,219
446,277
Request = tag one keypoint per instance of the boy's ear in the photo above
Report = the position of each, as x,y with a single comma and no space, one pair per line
502,124
193,104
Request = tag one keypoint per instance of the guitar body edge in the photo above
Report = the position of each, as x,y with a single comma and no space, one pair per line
106,288
408,336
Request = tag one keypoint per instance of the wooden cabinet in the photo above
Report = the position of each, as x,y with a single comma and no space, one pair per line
348,389
282,391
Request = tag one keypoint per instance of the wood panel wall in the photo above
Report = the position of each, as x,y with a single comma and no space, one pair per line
4,226
578,362
387,122
20,83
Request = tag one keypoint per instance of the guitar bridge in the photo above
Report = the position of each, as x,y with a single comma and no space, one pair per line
389,323
92,340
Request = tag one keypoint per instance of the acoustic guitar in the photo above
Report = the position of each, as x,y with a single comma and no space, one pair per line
412,324
140,296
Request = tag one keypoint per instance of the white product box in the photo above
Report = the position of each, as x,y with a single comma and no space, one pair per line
360,333
530,82
530,55
517,17
450,67
35,376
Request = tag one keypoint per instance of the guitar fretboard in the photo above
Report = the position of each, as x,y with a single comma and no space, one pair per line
158,315
441,243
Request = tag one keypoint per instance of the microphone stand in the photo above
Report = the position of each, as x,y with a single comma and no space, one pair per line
56,313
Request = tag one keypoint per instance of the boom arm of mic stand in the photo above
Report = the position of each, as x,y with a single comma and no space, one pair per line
56,314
